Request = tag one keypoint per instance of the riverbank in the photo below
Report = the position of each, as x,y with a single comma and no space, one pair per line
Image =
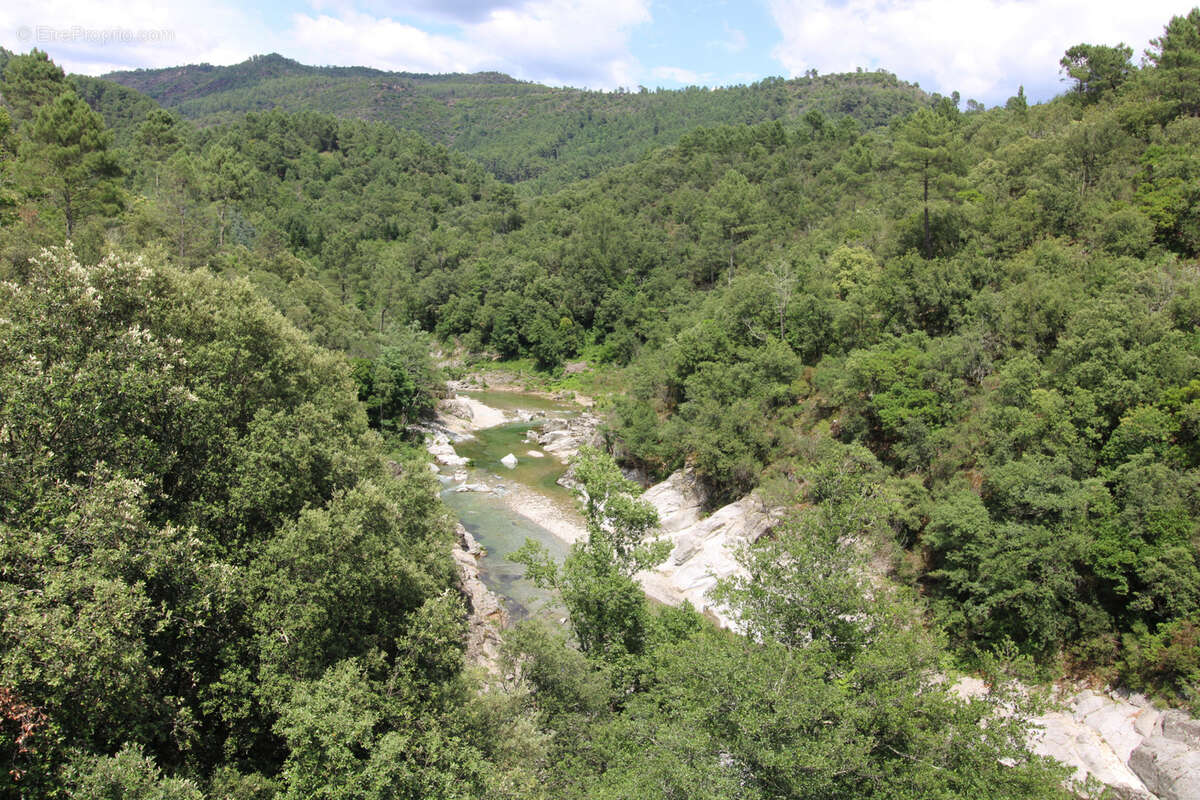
530,489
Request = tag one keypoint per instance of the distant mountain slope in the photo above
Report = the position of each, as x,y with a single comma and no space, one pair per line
520,131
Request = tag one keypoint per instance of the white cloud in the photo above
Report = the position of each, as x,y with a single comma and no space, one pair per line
88,37
572,42
678,75
381,43
982,48
734,41
577,42
566,41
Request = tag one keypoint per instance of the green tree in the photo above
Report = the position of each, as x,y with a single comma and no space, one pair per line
130,775
157,138
734,210
607,607
180,192
70,141
401,385
226,180
926,145
30,82
1098,70
1176,58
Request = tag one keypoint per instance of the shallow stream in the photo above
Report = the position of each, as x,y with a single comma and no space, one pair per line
488,516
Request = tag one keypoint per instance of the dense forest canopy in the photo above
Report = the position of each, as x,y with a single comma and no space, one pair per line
520,132
966,340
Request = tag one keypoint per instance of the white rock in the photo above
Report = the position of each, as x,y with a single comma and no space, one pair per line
443,453
1084,750
509,461
461,415
1182,728
704,549
1115,722
1169,767
679,500
1147,723
535,454
486,616
1086,702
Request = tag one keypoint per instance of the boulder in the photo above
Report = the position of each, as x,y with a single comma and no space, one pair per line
1116,724
1169,768
1082,748
679,500
443,452
1182,728
486,617
456,407
462,415
704,548
509,461
564,437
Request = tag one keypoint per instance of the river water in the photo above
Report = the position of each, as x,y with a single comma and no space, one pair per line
489,517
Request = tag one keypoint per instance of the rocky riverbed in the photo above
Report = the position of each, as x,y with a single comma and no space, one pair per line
486,616
1117,738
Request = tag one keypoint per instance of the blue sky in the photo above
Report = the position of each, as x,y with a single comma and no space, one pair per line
982,48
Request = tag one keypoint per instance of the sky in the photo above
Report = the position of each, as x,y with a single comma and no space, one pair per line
984,49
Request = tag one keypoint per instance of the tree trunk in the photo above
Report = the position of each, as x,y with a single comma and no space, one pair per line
928,242
68,212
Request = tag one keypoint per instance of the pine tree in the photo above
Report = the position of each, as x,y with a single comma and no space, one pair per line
70,141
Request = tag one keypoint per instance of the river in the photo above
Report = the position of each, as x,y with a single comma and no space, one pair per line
490,517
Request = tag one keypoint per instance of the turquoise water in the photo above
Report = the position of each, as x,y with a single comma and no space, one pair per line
493,444
488,518
500,531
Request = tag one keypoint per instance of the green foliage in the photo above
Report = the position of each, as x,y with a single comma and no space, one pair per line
1176,56
926,145
1098,70
832,693
194,520
31,81
964,343
400,385
70,143
805,584
521,132
129,774
607,607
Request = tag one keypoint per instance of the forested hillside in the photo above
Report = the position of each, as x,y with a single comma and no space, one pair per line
960,344
520,132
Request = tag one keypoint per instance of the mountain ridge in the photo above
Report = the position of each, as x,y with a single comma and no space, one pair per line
522,132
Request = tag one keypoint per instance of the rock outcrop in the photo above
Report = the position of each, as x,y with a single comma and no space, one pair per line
704,548
461,415
1119,739
564,437
439,446
1168,760
486,617
1095,736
